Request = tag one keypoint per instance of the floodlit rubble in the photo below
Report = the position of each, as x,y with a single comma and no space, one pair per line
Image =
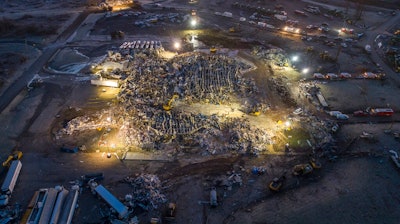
147,82
156,94
146,192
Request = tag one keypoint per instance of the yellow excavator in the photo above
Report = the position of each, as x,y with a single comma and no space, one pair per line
213,50
168,106
16,155
255,111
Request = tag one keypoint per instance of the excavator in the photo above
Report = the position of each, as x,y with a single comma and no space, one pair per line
213,50
255,111
16,155
168,106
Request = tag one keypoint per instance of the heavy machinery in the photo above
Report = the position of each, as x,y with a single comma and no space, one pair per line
276,183
168,106
315,163
255,110
213,50
302,169
16,155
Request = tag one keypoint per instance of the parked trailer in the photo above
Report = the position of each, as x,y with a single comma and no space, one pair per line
48,206
38,207
58,206
29,208
120,208
69,206
9,183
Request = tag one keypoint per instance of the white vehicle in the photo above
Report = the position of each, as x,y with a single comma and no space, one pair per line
331,76
291,29
227,14
334,113
318,76
345,75
242,19
298,111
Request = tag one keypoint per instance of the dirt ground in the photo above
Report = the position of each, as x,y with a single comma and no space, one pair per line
360,186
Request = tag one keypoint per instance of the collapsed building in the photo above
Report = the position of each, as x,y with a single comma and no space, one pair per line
164,102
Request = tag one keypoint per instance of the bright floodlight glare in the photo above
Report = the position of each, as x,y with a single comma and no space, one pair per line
193,22
177,45
305,70
295,58
287,123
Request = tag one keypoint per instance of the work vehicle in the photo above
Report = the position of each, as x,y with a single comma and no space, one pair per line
168,106
302,169
381,112
16,155
9,183
276,183
315,163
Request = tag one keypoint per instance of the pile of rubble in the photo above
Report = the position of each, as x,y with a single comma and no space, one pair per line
146,192
276,56
282,89
149,82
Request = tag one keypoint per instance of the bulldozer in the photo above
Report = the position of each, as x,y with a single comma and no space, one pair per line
276,183
168,106
16,155
213,50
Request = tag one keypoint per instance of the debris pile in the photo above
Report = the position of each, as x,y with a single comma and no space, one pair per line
146,192
274,56
150,84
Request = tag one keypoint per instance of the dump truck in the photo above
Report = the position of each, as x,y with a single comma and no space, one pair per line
9,183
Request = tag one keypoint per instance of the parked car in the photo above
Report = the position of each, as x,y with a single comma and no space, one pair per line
345,75
318,76
360,113
342,116
331,76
